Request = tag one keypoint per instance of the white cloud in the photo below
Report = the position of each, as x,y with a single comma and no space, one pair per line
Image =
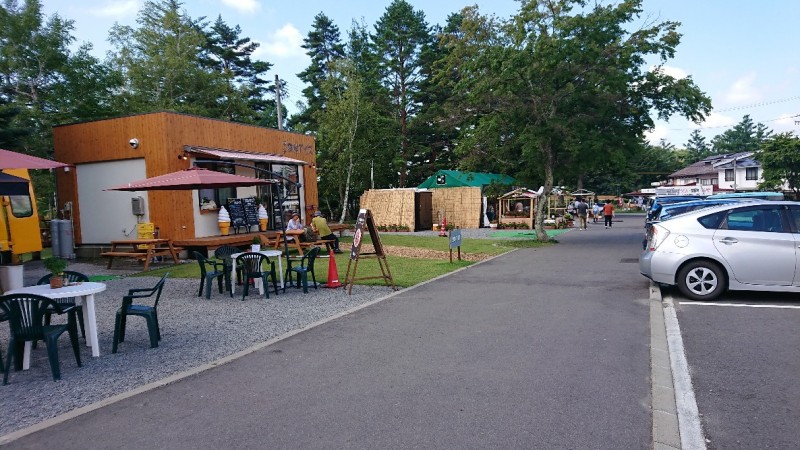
675,72
714,120
655,135
117,9
743,90
284,43
243,6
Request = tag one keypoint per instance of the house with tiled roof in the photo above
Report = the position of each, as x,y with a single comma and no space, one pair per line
733,171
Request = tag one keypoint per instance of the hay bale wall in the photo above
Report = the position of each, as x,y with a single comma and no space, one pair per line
461,206
390,206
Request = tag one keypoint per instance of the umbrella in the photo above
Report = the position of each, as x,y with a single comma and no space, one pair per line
11,185
14,160
192,178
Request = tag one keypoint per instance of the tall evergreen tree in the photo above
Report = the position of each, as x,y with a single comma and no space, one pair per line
746,136
161,62
401,37
324,46
697,147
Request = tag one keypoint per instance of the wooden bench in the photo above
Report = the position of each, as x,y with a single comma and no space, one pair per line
340,227
152,248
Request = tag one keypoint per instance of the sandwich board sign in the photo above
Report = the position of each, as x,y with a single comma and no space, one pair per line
366,224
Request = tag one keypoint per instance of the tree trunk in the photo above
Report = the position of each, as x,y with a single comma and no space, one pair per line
541,202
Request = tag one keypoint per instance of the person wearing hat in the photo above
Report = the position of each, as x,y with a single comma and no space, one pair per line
294,224
320,226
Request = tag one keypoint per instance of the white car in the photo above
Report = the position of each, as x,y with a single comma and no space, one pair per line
752,246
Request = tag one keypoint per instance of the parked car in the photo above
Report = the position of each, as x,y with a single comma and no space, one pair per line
659,202
748,195
738,246
671,210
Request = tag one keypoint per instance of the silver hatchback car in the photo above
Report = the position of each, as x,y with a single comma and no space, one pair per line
752,246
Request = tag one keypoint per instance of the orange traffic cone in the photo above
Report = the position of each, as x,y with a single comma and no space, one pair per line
333,273
443,228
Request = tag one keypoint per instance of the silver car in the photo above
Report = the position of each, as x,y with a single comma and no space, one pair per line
752,246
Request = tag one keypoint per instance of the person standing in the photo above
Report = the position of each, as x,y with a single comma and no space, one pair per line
596,208
582,209
608,213
320,226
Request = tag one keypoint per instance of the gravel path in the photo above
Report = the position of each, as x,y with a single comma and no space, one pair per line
194,331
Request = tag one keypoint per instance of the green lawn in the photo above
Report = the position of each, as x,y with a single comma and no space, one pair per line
405,271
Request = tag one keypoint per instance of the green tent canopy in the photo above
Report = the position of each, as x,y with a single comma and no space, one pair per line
455,178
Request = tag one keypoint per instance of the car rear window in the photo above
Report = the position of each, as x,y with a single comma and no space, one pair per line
712,221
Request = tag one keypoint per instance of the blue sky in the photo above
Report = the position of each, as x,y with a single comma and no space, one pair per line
744,55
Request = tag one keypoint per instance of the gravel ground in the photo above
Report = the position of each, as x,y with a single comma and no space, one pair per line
194,331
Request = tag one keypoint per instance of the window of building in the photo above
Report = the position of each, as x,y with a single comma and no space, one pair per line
221,195
728,174
705,181
751,173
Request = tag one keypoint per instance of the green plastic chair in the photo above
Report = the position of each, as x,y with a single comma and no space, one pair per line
302,270
68,302
25,313
217,271
224,254
252,267
150,313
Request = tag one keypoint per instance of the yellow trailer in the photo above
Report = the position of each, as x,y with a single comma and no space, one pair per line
19,231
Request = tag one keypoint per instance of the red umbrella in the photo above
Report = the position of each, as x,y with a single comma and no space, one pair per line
192,178
14,160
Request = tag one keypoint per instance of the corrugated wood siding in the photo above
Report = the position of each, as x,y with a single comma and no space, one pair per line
390,206
161,138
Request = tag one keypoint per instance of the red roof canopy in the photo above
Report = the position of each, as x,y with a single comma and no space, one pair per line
192,178
14,160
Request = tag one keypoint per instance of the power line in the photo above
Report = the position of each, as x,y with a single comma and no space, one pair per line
756,105
731,126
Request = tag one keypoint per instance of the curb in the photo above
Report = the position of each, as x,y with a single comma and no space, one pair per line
676,422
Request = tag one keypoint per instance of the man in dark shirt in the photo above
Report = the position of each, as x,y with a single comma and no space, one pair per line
582,209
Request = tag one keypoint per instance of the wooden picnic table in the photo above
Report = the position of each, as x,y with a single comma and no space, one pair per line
296,243
142,249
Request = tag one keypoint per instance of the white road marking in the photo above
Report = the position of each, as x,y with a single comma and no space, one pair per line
740,305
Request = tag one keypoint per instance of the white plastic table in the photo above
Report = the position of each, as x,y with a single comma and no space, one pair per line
84,293
268,253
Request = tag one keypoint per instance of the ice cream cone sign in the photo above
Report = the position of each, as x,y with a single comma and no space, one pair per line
263,217
224,221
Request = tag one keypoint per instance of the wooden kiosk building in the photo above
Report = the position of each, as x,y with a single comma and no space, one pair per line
114,151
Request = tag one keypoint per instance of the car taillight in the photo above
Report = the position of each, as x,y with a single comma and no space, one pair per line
657,236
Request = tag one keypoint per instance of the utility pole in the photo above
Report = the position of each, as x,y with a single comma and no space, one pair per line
278,101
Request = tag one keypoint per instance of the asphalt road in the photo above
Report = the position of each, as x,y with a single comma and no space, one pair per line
744,362
540,348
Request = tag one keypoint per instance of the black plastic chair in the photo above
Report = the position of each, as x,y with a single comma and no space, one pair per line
68,302
224,254
302,270
218,271
150,313
25,313
252,267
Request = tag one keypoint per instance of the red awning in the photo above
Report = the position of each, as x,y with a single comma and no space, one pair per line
14,160
192,178
249,156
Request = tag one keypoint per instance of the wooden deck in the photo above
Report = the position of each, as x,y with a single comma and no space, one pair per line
212,242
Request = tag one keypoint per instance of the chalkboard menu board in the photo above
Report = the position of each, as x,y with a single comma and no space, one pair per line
250,211
243,212
236,211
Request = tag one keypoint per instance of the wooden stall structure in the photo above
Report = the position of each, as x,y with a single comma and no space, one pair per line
125,149
518,207
391,206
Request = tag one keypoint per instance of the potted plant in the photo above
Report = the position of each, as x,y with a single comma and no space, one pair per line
56,266
256,245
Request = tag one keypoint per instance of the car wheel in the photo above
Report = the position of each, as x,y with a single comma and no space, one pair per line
701,280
